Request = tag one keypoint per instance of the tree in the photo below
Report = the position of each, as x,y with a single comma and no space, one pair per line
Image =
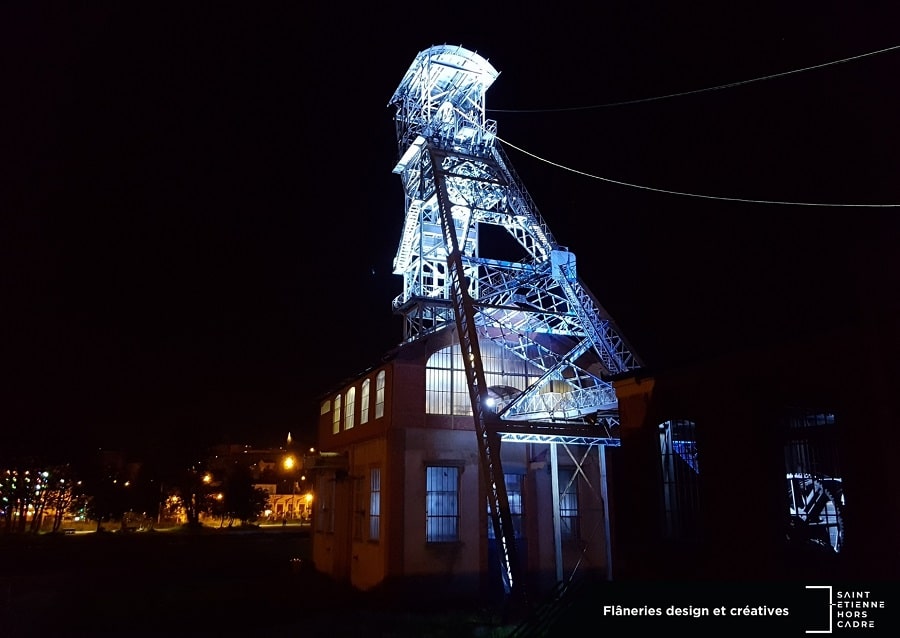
242,500
17,496
195,486
30,491
110,485
61,495
171,505
108,500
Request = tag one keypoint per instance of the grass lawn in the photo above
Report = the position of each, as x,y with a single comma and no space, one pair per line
213,582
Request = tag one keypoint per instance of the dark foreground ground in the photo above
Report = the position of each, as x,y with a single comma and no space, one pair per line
260,583
217,583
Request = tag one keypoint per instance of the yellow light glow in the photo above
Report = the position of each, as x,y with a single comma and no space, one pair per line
289,462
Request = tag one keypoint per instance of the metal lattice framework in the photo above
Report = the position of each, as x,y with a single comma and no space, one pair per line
536,307
457,179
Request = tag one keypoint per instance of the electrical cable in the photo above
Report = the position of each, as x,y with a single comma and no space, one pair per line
681,94
692,92
685,194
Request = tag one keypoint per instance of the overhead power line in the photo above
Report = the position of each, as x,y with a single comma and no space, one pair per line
681,94
730,85
696,195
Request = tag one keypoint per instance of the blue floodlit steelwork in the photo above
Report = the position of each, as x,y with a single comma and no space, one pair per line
536,306
457,179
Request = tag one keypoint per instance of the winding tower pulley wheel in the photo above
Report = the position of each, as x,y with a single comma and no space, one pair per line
816,507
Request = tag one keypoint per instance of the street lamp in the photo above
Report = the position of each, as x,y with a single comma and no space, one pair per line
289,464
309,500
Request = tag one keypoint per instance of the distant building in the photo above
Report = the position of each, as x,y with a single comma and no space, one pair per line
277,471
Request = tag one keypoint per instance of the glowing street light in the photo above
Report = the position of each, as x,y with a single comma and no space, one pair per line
290,463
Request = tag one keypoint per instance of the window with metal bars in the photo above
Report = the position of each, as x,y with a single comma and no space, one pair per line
349,408
815,491
379,394
364,402
680,482
336,415
441,504
374,503
446,386
569,518
514,483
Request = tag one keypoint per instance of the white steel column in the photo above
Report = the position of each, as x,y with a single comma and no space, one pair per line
604,494
557,527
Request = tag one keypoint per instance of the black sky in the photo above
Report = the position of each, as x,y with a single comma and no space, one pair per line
199,215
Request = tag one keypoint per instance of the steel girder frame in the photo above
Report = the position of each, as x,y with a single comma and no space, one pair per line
537,309
442,96
488,438
456,177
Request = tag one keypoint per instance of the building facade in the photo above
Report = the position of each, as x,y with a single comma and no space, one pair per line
399,486
738,467
277,471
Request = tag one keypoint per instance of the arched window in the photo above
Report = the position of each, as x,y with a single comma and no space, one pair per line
379,394
364,402
336,415
446,387
349,408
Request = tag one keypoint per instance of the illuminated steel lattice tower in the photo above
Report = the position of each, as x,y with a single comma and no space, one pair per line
456,179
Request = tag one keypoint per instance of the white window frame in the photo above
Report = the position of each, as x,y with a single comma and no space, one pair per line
442,503
336,415
349,408
375,504
379,394
364,401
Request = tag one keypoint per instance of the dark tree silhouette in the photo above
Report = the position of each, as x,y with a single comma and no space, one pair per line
242,500
196,486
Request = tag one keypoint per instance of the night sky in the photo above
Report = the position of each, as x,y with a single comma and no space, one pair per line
198,216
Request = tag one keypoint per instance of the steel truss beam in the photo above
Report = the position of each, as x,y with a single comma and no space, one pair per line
456,179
